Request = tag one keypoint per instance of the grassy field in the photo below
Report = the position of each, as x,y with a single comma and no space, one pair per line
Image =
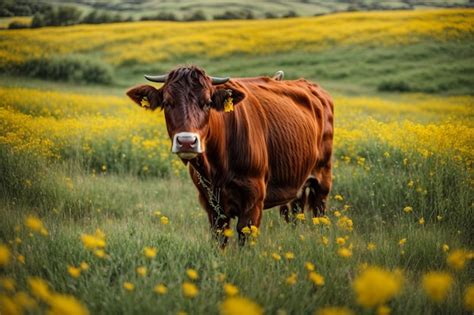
97,214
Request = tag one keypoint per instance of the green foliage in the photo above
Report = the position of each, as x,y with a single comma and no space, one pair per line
161,16
57,16
73,69
17,25
235,15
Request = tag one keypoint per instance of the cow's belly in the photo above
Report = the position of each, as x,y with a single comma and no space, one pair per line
292,157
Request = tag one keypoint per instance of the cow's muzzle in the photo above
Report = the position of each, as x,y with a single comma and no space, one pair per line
187,145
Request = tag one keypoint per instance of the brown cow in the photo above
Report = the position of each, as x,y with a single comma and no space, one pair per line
272,149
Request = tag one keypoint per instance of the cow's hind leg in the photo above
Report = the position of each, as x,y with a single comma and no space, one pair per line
296,206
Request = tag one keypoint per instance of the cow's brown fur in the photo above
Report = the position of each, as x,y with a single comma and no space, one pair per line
273,149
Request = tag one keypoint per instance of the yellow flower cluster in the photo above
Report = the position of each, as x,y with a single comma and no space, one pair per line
130,42
376,286
59,303
95,242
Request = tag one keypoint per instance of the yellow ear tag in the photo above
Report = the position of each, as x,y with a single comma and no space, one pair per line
228,105
144,102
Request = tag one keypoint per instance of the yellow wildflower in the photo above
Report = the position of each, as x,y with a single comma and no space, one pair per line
160,289
410,183
324,240
74,271
5,255
337,214
439,218
300,217
254,230
421,221
100,253
376,286
66,305
469,298
228,233
292,279
150,252
457,259
221,277
344,252
21,259
164,220
445,248
246,230
35,224
230,289
84,266
289,255
383,310
276,256
325,220
8,306
331,310
340,241
92,241
371,246
25,301
437,285
316,278
402,242
190,290
128,286
339,197
345,223
142,271
7,283
408,209
309,266
240,305
39,288
192,274
316,221
157,213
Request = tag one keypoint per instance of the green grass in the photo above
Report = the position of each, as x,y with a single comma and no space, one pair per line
123,207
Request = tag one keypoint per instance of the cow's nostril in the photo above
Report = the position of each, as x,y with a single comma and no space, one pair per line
186,140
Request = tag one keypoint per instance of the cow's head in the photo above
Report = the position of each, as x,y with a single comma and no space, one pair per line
187,97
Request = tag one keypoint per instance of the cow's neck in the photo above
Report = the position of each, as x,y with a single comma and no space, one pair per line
213,161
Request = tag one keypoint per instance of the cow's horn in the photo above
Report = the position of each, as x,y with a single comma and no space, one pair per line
156,78
216,80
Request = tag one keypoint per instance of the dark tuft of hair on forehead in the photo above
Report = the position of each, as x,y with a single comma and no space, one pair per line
190,76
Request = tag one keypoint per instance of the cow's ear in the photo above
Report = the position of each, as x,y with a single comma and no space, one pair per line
226,98
146,96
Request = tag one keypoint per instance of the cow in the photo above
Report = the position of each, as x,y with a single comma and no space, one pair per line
250,143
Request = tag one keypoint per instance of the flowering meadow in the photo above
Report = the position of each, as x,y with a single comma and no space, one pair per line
98,217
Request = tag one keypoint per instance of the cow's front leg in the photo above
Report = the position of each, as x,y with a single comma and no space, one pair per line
252,207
